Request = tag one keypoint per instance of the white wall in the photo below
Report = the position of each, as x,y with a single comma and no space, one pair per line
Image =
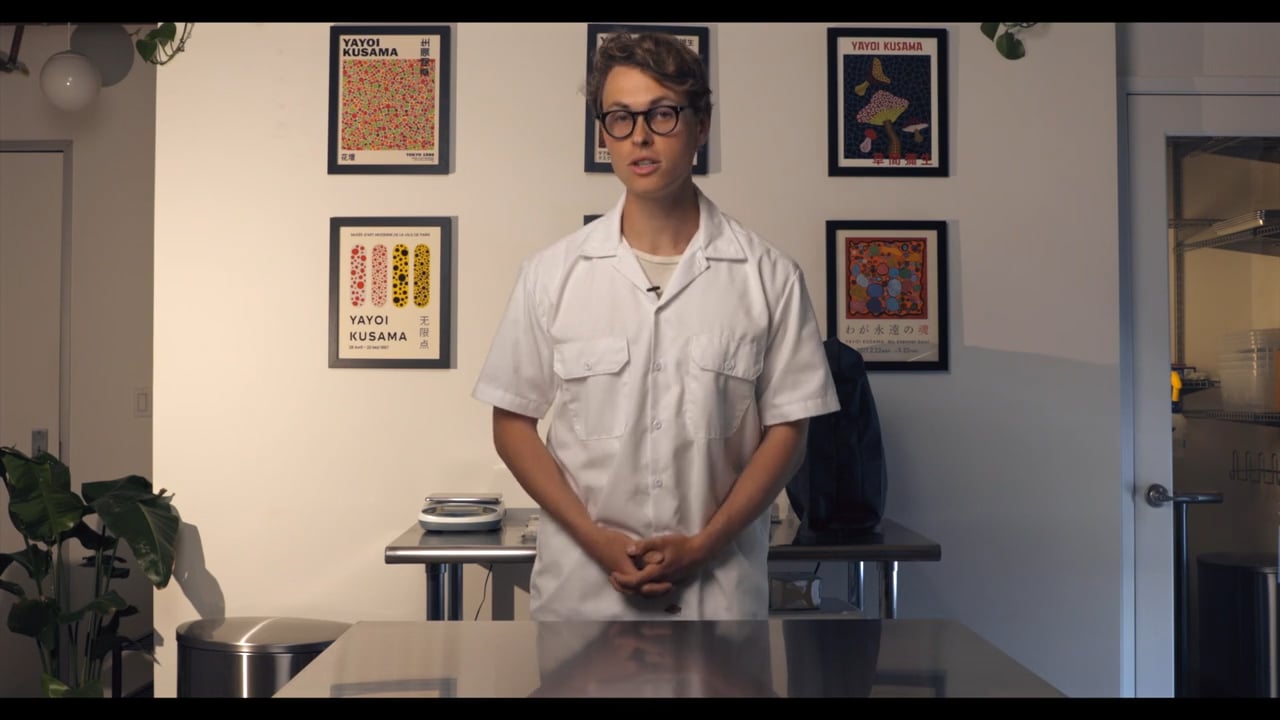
293,476
113,154
1201,56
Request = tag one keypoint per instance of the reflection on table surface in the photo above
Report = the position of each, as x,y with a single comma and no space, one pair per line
799,657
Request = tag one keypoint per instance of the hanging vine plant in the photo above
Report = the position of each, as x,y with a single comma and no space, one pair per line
162,43
1005,36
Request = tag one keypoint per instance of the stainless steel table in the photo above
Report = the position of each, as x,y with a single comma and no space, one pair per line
665,659
444,553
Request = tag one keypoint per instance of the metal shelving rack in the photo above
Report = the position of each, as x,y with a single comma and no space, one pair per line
1240,416
1256,232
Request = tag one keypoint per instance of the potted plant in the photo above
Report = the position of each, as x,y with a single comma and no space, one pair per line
74,641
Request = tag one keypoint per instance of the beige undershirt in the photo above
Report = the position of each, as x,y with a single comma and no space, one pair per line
658,268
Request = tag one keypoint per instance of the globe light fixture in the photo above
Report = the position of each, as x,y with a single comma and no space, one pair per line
70,81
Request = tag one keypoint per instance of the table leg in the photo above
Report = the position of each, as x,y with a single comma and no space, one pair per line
889,589
435,591
503,591
455,591
856,582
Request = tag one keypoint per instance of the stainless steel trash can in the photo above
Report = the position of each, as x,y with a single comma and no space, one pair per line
248,656
1239,621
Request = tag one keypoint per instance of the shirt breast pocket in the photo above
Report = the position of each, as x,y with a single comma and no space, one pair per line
593,379
720,383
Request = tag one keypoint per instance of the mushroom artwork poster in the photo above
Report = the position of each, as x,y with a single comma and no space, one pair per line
887,102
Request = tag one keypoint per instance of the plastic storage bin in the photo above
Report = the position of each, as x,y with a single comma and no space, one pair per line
1249,365
248,657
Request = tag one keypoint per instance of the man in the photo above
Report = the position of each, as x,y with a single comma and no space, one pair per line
685,357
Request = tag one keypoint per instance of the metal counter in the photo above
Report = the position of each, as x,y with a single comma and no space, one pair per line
665,659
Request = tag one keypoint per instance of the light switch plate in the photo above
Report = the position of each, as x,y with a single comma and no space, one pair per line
39,441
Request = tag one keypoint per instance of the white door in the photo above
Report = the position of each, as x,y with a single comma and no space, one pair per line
1151,120
32,208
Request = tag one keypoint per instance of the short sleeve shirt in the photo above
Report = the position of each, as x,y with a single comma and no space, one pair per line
660,402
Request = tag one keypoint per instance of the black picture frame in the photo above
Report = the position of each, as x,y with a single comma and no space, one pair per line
887,292
383,314
388,113
887,97
595,155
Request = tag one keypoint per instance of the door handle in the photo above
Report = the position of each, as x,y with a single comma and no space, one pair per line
1158,495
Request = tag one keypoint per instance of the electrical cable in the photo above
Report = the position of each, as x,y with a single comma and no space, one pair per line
484,591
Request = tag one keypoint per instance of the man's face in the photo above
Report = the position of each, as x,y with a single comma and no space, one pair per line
647,163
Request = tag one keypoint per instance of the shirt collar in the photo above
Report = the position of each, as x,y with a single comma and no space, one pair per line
715,239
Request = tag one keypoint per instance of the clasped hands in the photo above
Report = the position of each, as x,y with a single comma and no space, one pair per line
650,567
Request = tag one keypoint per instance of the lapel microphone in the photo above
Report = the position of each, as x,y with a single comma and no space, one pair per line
653,289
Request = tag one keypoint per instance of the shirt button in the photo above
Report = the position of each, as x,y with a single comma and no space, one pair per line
657,483
586,365
728,366
657,366
657,424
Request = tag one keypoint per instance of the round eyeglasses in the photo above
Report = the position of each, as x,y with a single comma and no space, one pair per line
661,119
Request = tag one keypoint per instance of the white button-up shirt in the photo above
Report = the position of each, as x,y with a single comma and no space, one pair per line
660,401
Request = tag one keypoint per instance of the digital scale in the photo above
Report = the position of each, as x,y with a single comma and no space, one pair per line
444,512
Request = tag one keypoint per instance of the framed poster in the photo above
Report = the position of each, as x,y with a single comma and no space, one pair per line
596,156
391,292
389,99
887,291
887,102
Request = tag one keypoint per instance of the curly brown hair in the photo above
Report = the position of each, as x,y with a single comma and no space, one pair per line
662,56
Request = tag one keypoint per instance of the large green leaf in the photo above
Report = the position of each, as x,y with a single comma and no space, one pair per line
14,459
36,561
47,515
91,539
12,588
41,503
103,605
55,688
108,638
131,487
989,29
35,617
146,522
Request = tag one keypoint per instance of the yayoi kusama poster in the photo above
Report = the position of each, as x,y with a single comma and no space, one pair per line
887,101
390,292
887,291
389,99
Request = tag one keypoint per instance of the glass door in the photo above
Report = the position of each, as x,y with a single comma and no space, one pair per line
1194,164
